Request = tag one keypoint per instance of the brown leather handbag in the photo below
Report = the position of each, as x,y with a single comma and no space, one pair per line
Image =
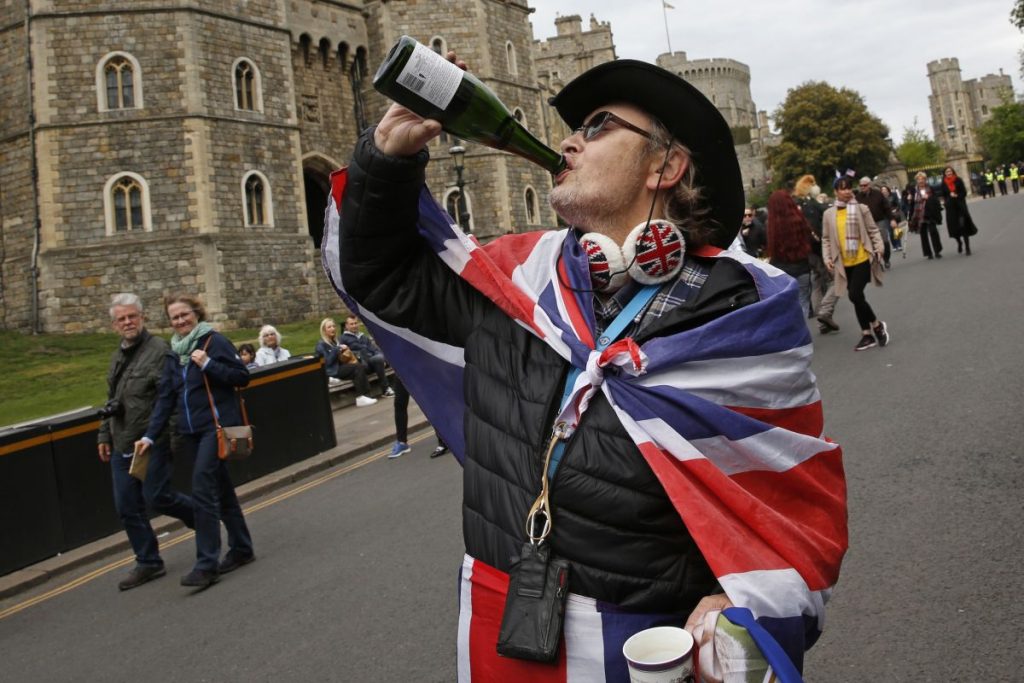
233,443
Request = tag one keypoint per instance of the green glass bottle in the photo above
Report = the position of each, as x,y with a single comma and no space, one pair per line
425,82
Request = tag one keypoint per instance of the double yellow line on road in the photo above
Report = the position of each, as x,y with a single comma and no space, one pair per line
106,569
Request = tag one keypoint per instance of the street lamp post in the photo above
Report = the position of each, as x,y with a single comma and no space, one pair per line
458,154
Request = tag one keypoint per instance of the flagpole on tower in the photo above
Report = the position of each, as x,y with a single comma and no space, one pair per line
665,7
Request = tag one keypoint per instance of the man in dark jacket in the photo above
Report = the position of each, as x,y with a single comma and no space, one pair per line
630,156
882,212
753,233
367,353
135,370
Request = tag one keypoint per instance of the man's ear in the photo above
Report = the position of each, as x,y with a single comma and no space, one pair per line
673,171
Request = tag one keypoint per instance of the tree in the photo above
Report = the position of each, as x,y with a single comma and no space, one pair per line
1017,19
1002,136
918,150
825,129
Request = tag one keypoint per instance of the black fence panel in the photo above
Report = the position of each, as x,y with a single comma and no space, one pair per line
30,520
289,407
56,495
84,486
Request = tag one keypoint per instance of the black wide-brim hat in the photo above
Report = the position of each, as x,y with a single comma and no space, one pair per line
685,112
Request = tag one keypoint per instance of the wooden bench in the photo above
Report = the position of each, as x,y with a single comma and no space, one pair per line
343,392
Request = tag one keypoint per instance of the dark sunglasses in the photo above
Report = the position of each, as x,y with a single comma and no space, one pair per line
592,128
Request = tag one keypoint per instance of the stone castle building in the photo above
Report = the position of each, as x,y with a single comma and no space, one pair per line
166,145
726,83
566,55
169,145
959,107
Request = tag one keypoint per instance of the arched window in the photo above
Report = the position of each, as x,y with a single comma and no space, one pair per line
439,45
519,116
460,208
258,208
532,207
118,82
325,51
126,204
356,76
248,87
510,58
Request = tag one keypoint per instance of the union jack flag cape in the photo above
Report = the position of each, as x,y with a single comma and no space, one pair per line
727,415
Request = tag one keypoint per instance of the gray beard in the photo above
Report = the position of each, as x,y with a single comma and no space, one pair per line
570,205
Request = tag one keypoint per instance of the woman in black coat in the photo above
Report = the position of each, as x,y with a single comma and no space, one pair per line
925,213
958,218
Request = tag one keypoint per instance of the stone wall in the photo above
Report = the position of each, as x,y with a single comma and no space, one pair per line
191,146
987,93
959,107
17,228
563,57
78,281
495,180
17,211
725,82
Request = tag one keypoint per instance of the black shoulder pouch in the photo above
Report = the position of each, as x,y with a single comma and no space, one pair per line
531,625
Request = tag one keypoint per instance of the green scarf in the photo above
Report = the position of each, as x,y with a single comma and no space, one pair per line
184,346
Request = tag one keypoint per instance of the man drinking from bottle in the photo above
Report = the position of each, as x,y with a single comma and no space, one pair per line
632,405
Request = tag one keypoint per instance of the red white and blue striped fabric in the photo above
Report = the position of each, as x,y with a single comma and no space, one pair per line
727,415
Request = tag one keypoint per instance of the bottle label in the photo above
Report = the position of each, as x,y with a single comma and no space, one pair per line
431,76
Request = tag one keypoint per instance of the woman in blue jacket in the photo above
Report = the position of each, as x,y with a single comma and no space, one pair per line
198,354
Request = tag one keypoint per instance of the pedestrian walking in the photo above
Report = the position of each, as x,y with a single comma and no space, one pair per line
897,214
789,243
492,338
132,383
882,212
401,445
853,251
805,192
200,379
926,216
752,233
959,223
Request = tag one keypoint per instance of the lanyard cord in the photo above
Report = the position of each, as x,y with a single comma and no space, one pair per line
556,447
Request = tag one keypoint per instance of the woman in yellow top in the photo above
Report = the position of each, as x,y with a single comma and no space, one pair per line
852,249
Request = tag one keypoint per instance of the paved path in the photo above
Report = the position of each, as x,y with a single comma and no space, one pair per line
356,574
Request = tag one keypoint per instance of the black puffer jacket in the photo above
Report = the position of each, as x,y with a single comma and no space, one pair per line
612,519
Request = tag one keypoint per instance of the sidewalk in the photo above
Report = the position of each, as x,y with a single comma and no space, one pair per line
359,431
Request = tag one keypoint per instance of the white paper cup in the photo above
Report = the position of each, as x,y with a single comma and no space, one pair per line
663,654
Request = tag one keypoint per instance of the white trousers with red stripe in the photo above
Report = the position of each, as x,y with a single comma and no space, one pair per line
592,636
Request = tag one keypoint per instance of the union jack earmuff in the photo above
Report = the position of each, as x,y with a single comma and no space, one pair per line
653,252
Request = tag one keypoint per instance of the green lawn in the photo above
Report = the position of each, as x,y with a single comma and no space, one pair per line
49,373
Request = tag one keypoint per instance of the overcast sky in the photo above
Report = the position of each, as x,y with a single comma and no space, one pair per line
880,49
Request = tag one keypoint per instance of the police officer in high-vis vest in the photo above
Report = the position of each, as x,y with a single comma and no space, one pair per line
1001,179
990,184
1014,177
